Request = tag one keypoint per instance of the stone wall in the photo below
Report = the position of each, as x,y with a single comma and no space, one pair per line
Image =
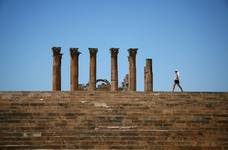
113,120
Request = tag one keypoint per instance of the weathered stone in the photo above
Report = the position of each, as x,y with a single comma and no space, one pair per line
114,69
148,76
132,68
121,120
92,69
74,75
56,72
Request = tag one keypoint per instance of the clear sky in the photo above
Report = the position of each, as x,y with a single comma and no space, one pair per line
191,35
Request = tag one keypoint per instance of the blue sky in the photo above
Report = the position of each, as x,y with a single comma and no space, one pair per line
191,35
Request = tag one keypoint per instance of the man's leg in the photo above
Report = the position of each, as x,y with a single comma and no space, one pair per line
174,87
180,87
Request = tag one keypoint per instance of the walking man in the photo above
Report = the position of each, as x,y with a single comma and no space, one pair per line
177,80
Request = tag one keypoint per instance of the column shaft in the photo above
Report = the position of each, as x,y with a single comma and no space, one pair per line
56,72
93,69
114,69
148,76
74,53
132,69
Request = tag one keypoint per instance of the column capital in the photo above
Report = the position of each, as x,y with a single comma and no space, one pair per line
74,52
93,51
114,51
56,51
132,51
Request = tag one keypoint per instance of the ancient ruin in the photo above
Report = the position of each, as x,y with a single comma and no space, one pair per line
129,83
74,53
114,69
114,120
96,116
132,68
93,69
56,74
148,76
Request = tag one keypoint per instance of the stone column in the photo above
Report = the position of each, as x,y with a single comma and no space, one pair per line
132,68
56,72
74,53
148,76
114,69
93,69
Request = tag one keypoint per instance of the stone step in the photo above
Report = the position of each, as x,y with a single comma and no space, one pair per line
104,120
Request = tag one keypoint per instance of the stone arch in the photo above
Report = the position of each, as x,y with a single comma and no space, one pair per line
103,81
104,84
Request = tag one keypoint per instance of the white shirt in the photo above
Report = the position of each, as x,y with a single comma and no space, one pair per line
177,76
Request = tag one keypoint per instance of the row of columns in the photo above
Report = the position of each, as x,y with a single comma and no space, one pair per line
74,53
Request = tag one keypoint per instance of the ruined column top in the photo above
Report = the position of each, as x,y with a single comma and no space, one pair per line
56,51
93,50
74,52
114,50
74,49
148,60
132,51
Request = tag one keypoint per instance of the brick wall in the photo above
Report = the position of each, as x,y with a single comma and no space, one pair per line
105,120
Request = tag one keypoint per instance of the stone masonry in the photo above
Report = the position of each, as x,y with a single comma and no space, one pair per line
114,69
148,76
93,69
132,68
91,86
56,72
74,53
114,120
